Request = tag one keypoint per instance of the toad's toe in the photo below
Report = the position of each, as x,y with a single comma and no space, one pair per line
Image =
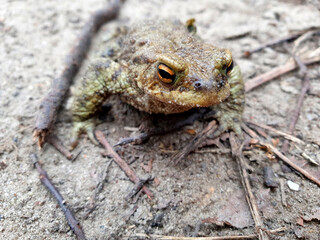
87,127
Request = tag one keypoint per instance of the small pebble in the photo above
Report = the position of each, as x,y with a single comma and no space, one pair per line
293,186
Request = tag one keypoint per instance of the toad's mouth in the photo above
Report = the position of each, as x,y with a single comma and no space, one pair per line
192,99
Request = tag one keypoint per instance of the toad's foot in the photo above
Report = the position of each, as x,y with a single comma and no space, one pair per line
229,119
87,127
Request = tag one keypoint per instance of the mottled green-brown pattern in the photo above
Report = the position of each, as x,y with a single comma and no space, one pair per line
129,67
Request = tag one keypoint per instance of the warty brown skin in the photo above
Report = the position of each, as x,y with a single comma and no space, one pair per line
161,67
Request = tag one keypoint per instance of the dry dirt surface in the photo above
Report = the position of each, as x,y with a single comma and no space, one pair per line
189,197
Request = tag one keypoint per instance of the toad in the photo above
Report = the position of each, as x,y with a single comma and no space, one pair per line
161,67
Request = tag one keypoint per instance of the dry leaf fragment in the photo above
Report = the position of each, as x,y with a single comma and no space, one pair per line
300,221
235,212
265,204
315,215
147,168
191,131
275,142
156,181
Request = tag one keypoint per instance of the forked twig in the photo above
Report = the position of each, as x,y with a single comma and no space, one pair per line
121,163
51,103
73,223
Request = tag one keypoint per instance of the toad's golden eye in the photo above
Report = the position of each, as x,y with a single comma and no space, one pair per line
166,74
230,67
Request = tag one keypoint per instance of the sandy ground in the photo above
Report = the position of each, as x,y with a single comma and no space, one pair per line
36,36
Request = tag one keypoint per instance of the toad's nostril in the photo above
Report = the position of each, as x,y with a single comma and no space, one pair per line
197,85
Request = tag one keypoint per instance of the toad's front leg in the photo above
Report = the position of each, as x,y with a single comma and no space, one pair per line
103,78
229,112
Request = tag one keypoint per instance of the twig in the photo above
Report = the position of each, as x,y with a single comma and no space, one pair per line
97,190
305,86
249,131
121,163
291,164
303,38
137,196
283,194
52,101
73,223
310,159
237,154
195,142
272,43
56,143
280,133
280,155
131,212
297,109
219,151
137,187
251,236
276,72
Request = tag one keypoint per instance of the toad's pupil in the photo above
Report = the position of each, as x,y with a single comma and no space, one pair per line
165,74
230,67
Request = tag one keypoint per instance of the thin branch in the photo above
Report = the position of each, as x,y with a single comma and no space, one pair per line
137,187
195,142
251,236
73,223
217,151
121,163
272,43
292,164
297,109
283,194
237,154
280,133
97,190
159,237
56,143
51,103
276,72
280,155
